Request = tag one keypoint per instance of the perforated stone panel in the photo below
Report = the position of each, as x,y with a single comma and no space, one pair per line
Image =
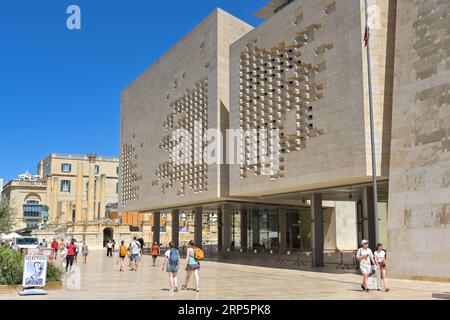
130,179
184,113
274,82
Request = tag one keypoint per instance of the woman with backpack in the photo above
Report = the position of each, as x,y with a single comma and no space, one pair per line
193,255
123,251
171,265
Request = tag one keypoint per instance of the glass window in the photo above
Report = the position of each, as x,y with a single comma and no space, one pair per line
117,170
97,169
65,185
117,187
47,168
66,167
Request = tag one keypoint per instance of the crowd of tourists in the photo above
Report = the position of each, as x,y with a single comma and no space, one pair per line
368,262
67,251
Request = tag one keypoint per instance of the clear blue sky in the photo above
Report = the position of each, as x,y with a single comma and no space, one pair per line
60,89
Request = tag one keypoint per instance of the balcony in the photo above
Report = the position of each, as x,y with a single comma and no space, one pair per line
33,210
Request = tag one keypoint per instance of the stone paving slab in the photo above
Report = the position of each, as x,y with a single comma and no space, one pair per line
100,279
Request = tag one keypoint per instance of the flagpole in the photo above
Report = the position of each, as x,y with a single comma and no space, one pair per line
372,129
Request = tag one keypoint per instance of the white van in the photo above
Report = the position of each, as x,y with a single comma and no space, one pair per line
20,243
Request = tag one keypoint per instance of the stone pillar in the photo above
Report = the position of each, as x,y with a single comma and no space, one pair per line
176,227
102,211
79,193
48,196
41,169
317,229
282,229
226,227
98,189
244,227
198,226
156,226
91,202
255,226
346,226
54,214
369,220
219,229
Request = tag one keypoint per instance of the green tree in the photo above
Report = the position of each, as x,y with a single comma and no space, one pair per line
6,214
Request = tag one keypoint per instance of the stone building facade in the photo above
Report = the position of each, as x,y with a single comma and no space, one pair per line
302,74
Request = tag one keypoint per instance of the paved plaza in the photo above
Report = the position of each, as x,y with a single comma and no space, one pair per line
100,279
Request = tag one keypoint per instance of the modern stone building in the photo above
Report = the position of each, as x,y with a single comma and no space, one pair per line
298,83
419,185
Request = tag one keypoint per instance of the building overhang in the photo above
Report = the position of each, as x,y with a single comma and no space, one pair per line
271,8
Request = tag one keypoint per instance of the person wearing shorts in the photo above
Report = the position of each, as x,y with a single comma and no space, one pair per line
155,251
55,247
123,252
135,253
380,267
171,263
84,251
365,256
192,266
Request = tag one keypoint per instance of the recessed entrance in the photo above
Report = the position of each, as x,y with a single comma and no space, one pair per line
108,234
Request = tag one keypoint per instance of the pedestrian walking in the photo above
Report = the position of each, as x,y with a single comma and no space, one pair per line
123,251
155,251
77,250
171,263
85,251
365,256
55,247
109,249
192,265
380,267
70,255
113,245
135,252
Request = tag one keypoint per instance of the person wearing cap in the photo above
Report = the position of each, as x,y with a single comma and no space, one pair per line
364,255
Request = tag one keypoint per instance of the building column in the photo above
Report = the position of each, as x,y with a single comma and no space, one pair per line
91,188
369,220
244,227
282,229
102,204
346,225
156,226
226,227
219,229
198,226
41,169
176,227
317,229
79,193
98,188
54,214
255,226
48,197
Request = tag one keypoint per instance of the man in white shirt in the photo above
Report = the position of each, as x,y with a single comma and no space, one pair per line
135,252
364,255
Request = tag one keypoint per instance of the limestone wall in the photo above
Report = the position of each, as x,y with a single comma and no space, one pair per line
188,84
419,198
303,72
